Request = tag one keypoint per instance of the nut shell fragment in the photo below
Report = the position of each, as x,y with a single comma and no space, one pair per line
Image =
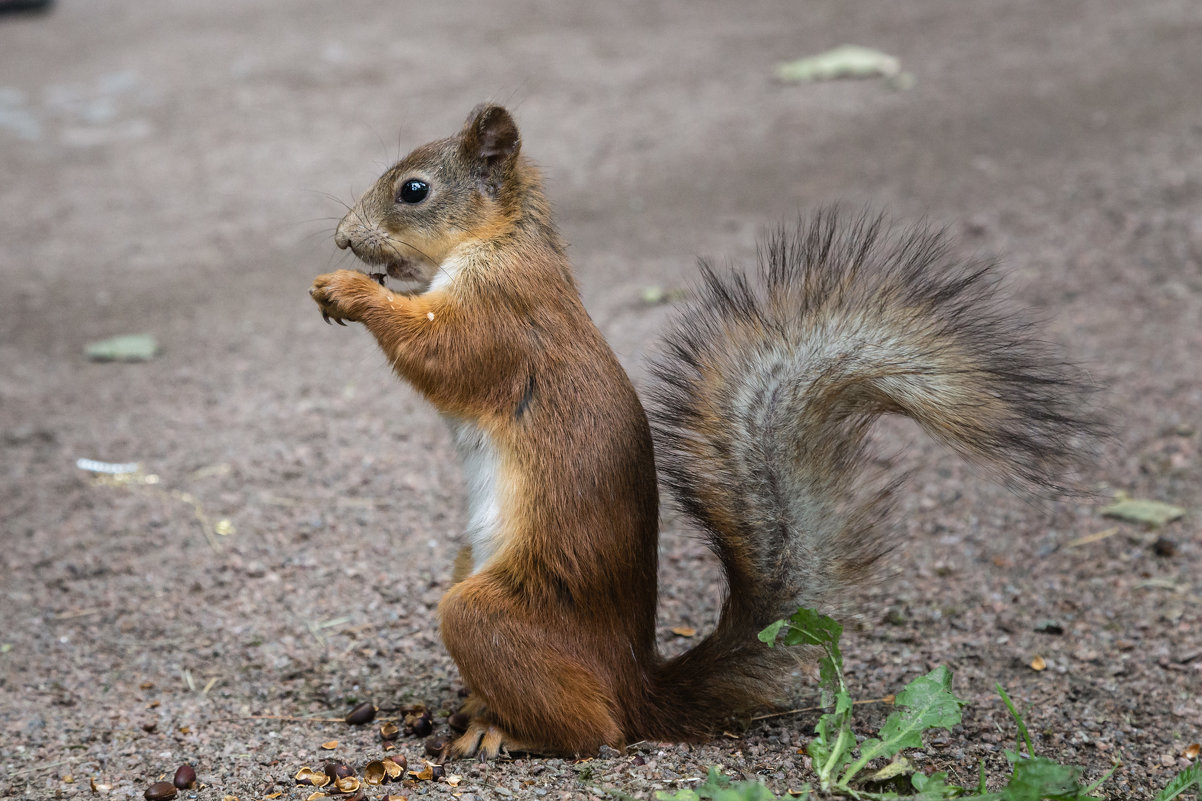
347,784
374,772
307,775
389,730
364,713
394,769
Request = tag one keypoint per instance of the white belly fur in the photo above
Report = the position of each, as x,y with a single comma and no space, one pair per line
481,475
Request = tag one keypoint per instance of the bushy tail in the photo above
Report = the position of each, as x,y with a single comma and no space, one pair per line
769,384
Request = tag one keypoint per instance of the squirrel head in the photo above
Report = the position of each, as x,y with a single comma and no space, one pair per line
439,197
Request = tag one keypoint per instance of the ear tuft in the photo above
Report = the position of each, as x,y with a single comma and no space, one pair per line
490,136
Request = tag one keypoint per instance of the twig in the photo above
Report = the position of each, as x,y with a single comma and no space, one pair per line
42,766
1087,539
295,719
888,699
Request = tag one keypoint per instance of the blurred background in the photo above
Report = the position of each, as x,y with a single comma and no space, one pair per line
176,169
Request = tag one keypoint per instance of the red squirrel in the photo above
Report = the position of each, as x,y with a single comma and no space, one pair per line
766,389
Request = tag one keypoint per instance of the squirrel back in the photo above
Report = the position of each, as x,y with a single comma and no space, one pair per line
767,387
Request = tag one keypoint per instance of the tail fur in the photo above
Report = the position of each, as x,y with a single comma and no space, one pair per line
768,387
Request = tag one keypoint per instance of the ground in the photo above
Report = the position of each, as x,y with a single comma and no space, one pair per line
177,168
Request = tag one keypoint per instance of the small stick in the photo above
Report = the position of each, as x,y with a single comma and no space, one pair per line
1087,539
295,719
888,699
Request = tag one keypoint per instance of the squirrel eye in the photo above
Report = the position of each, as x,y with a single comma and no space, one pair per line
413,191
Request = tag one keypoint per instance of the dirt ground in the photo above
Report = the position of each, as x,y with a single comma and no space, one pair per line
177,168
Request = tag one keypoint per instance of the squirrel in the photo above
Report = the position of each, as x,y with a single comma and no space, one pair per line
766,389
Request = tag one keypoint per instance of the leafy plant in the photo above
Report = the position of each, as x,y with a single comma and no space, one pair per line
925,703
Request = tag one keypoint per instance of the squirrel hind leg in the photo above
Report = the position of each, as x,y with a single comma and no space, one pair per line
529,692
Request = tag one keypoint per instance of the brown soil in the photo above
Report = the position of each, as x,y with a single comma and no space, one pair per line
177,167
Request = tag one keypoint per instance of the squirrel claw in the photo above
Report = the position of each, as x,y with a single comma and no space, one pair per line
326,317
339,321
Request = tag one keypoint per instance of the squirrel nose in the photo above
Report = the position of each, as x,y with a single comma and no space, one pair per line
341,239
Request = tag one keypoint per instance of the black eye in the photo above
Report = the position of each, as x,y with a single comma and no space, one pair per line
413,191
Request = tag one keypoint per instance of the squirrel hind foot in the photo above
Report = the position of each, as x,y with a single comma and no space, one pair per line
485,742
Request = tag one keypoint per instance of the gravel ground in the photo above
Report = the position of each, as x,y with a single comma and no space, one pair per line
177,168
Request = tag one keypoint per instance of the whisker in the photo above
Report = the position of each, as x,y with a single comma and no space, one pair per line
328,196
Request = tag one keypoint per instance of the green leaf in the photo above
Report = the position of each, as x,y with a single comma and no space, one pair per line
934,786
925,703
808,627
768,635
1190,777
831,747
1040,778
1018,720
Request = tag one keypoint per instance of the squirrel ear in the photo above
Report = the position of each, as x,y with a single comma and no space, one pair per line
490,136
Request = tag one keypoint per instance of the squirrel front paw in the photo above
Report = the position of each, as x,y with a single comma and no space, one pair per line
343,295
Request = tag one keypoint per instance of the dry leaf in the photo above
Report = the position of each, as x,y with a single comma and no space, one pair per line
900,766
1038,663
1137,510
845,61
